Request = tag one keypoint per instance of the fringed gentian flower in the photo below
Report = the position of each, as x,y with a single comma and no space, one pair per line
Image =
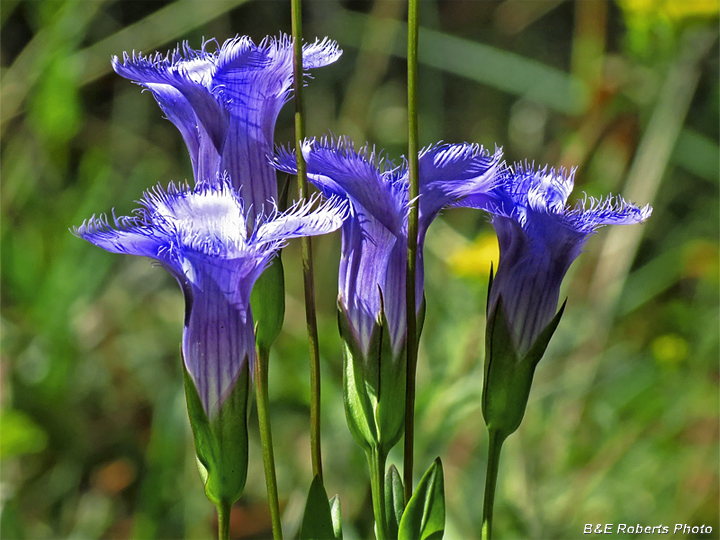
374,253
374,250
539,238
225,104
202,237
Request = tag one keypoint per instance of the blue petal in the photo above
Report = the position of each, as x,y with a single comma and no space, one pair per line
254,83
301,220
592,213
218,339
190,73
364,263
532,266
375,236
132,236
320,53
539,239
251,81
180,113
337,169
451,172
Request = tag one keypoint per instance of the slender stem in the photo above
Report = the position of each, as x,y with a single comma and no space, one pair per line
376,460
307,259
261,394
494,446
223,511
410,299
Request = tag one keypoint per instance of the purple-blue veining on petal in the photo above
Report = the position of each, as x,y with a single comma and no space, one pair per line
336,168
218,339
590,214
374,246
302,219
225,104
250,81
130,237
179,112
364,262
190,73
200,236
539,238
450,172
531,269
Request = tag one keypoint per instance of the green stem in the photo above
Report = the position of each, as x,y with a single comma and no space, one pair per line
410,299
376,460
494,446
261,394
307,259
223,511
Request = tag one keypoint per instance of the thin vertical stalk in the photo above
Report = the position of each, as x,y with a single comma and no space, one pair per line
261,394
410,300
306,245
495,443
223,512
376,460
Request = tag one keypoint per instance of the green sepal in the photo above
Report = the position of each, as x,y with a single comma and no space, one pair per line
508,376
221,444
358,406
393,382
424,516
537,350
317,523
283,192
267,301
336,516
490,283
394,500
421,317
374,386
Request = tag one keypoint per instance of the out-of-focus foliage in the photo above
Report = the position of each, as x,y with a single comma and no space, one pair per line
622,424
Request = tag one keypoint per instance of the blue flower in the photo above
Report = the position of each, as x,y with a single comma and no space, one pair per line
202,237
374,237
225,104
539,238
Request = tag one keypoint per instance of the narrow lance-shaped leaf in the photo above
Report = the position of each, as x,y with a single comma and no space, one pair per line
424,516
317,521
394,500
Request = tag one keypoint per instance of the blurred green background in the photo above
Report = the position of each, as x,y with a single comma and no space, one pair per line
622,425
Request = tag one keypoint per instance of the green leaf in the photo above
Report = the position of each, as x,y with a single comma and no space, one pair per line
394,500
336,516
317,521
268,304
424,516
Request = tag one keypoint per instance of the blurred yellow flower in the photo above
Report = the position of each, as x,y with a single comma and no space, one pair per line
669,349
671,9
473,260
